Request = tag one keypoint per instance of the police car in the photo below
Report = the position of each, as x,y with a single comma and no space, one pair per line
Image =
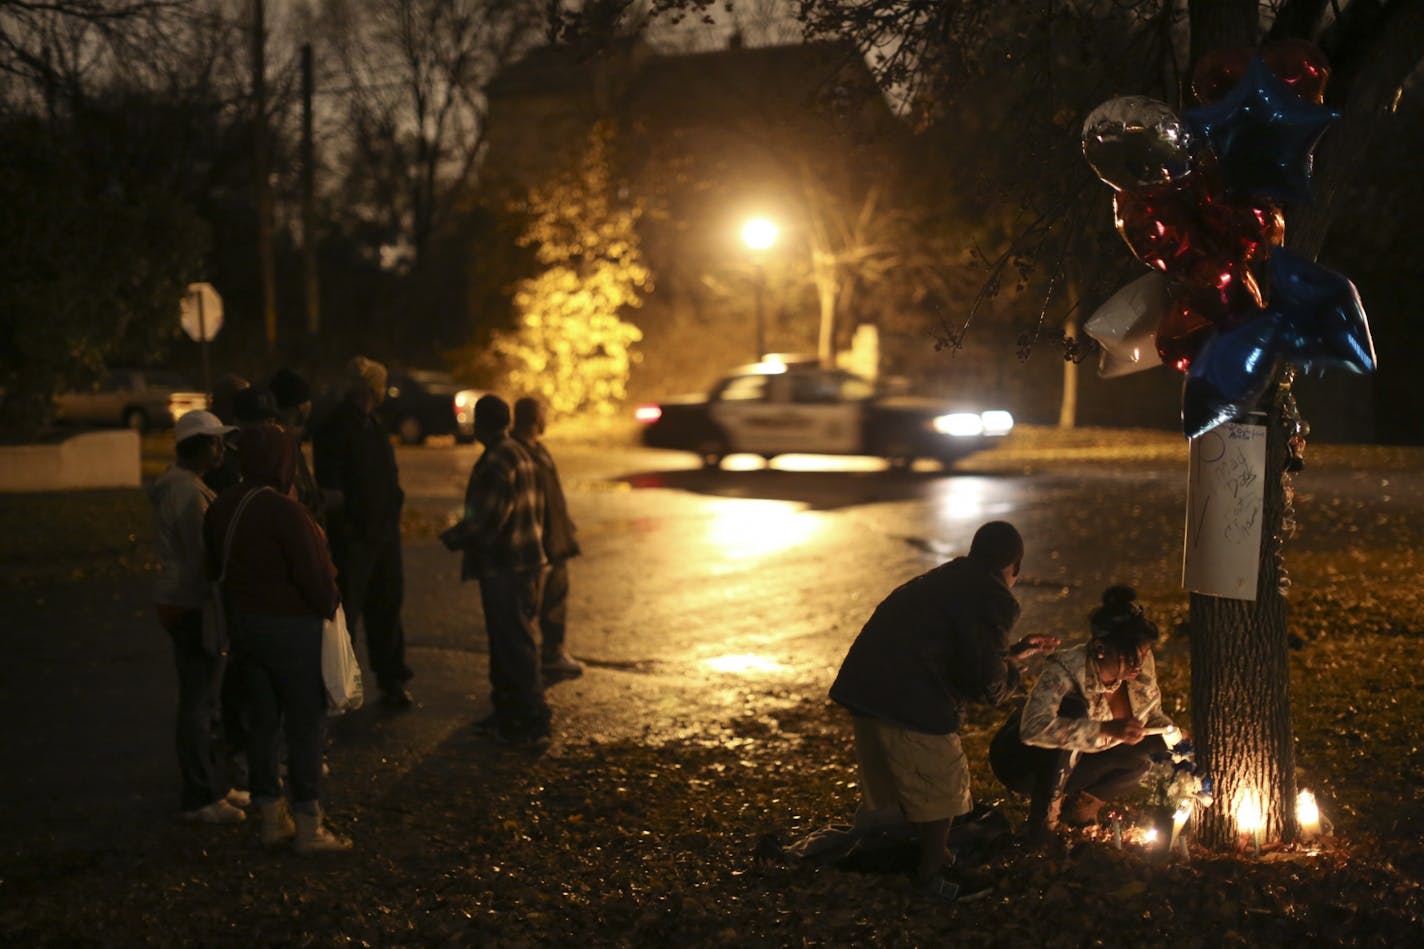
776,408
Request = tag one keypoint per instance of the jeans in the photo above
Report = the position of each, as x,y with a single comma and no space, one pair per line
554,607
198,675
510,602
372,581
279,661
1038,772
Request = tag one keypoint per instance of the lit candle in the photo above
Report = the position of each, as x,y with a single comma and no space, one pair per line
1172,736
1179,820
1249,818
1307,815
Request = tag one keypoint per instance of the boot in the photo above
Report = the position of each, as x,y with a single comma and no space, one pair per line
277,826
1043,819
312,837
1081,809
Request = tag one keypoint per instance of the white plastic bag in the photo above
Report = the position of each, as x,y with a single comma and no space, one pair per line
339,669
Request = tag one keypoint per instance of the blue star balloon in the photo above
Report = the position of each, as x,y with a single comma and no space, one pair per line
1321,317
1230,374
1263,133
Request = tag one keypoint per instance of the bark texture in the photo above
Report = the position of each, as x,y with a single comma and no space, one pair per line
1241,710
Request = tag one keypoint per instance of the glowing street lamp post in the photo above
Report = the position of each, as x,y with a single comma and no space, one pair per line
759,234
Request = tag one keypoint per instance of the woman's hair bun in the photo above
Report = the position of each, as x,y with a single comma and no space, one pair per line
1120,620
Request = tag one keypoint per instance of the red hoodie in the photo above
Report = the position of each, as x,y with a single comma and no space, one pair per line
278,563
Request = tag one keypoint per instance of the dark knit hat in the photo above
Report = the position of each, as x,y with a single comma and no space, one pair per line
289,389
254,404
997,545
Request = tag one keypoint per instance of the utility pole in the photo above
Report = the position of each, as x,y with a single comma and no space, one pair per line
260,172
309,283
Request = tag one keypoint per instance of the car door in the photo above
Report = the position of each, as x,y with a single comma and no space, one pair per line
747,410
827,406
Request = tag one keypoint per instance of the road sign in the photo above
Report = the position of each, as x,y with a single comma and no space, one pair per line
201,313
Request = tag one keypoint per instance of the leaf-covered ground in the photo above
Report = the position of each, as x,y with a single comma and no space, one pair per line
640,843
655,842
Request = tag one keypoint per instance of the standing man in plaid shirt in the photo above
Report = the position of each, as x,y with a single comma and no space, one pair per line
560,544
502,539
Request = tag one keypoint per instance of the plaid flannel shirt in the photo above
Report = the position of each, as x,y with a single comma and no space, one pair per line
1068,672
504,513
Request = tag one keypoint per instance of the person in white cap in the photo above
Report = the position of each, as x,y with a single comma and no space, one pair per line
180,500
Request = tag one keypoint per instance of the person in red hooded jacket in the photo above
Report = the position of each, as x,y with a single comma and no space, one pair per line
278,585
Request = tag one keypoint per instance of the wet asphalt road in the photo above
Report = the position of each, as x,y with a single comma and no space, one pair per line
778,568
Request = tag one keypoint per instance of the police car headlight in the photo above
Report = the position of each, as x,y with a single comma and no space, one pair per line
997,422
960,424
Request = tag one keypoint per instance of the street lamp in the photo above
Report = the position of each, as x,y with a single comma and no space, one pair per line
759,234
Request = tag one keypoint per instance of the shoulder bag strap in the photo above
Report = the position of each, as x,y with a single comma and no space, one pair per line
232,526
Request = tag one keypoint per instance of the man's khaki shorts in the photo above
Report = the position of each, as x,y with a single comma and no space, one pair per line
927,776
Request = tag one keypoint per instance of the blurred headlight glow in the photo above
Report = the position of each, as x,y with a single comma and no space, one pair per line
960,424
648,413
997,422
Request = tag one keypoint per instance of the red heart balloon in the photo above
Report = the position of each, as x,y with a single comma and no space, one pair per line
1162,226
1244,231
1301,65
1181,334
1217,72
1221,289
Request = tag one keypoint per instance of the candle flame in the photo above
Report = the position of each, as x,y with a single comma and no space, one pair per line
1249,816
1307,811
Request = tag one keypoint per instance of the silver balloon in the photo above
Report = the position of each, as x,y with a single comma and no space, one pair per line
1137,142
1126,326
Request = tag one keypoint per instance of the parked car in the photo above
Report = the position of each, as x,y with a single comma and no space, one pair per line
139,399
422,402
775,408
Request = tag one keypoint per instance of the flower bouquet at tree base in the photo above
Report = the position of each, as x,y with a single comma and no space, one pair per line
1178,789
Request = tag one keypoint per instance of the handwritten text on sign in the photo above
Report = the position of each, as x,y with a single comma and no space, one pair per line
1226,488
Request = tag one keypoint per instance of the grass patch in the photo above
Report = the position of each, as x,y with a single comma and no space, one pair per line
69,535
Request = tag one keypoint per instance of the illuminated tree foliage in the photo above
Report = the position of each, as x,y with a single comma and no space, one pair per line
570,347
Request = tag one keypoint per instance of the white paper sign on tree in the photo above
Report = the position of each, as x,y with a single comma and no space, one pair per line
1225,495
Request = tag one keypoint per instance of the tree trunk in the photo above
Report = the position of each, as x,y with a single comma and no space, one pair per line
1068,405
1241,714
827,292
1241,711
1240,667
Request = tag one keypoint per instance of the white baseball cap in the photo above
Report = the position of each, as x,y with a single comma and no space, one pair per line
200,422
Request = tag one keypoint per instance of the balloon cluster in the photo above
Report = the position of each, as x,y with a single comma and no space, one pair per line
1198,200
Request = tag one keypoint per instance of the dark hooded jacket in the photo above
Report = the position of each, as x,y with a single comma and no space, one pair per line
277,562
934,644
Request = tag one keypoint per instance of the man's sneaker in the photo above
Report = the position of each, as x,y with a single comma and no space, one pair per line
238,797
560,665
218,812
398,697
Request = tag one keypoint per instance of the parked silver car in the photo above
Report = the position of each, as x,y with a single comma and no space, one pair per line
136,398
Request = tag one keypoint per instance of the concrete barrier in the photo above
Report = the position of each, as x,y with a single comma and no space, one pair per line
87,460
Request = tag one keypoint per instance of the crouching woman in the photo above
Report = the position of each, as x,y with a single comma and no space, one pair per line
1090,726
278,584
